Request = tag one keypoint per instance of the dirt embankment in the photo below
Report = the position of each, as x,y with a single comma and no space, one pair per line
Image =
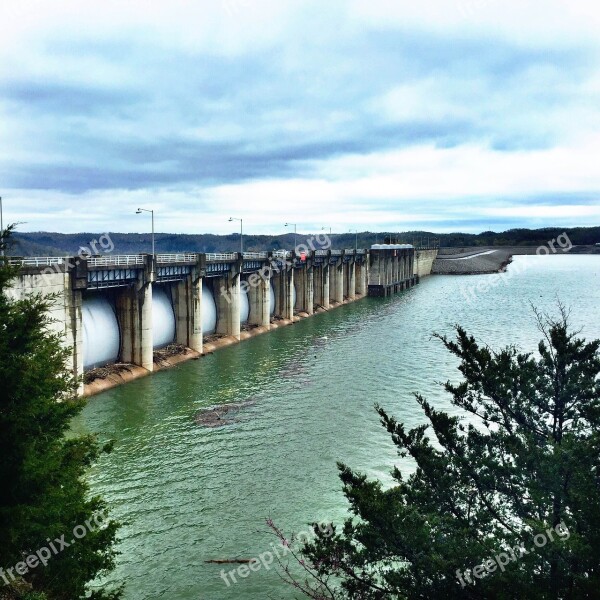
473,263
478,261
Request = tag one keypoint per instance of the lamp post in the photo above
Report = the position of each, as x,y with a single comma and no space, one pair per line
289,225
241,232
355,239
139,211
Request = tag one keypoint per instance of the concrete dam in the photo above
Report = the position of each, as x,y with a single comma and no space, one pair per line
123,309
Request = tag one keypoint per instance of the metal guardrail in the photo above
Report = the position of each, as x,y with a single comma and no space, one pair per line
212,256
118,260
37,261
138,259
171,258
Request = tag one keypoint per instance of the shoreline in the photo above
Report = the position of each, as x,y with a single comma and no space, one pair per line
122,373
488,261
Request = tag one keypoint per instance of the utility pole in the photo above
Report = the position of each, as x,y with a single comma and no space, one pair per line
241,232
139,212
289,225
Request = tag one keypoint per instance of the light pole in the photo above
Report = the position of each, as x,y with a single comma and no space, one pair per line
139,211
289,225
241,232
355,239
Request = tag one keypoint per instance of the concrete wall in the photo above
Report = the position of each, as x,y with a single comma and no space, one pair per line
66,308
424,262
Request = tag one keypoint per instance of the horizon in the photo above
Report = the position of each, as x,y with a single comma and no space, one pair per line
299,233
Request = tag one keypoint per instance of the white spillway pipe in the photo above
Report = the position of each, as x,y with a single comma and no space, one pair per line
209,312
163,318
271,300
101,338
244,306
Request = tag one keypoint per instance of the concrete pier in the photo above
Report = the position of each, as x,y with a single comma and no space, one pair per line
283,286
321,281
305,289
259,286
134,313
336,277
391,269
187,303
227,299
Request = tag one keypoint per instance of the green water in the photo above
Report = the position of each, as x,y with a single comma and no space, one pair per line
190,494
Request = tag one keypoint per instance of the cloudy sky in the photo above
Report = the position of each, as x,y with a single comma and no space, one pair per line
371,114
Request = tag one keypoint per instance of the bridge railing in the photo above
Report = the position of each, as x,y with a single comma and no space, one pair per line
255,255
321,252
172,258
215,256
37,261
282,254
117,260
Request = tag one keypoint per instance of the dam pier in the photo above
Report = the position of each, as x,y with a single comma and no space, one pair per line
123,308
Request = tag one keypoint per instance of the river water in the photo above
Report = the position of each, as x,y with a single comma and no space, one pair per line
188,494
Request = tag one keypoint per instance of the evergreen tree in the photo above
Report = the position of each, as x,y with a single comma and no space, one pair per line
505,500
43,492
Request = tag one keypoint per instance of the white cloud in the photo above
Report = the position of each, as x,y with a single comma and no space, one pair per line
387,114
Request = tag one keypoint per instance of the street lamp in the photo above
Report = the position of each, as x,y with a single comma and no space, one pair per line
289,225
355,239
139,211
241,232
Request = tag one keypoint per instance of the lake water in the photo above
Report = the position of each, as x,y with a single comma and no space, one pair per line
190,494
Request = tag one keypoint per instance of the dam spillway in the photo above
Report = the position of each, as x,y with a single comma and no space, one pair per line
163,318
101,336
209,312
244,307
122,308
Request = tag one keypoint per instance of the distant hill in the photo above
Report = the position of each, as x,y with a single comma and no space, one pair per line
58,244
